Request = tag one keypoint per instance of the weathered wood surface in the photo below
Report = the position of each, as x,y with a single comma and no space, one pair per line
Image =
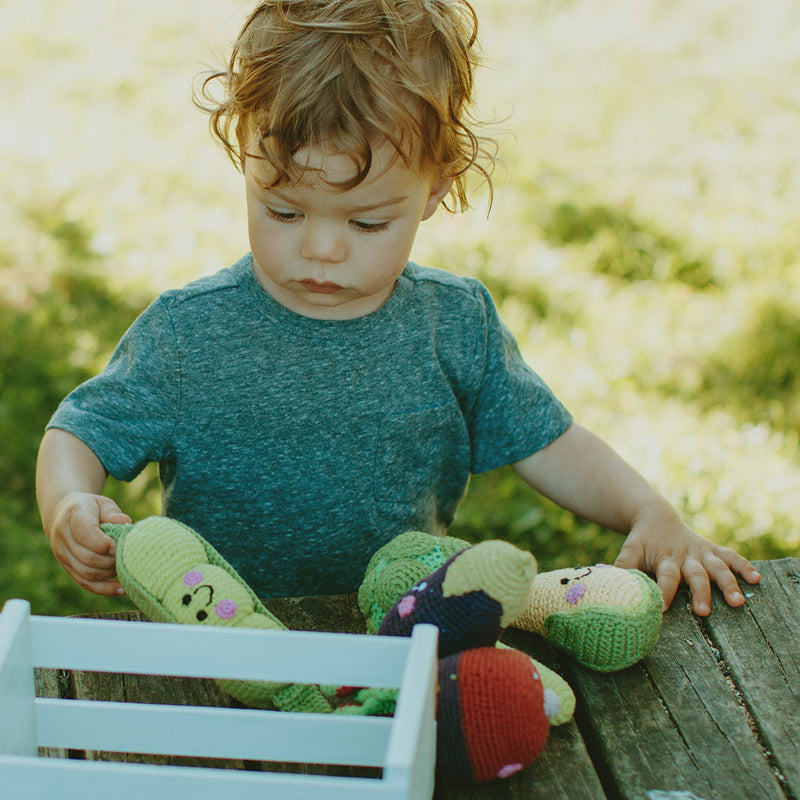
713,713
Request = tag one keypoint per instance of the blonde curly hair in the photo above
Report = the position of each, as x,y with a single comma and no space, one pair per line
353,75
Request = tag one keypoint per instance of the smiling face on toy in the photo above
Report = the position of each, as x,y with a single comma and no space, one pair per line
584,585
170,564
208,594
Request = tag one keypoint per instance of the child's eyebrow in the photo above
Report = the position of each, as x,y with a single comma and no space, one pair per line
382,204
354,210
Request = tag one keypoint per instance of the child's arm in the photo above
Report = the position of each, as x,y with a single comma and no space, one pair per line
583,474
69,484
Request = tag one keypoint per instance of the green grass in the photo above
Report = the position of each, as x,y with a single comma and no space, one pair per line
642,245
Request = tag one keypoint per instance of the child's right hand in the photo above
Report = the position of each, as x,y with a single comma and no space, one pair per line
86,553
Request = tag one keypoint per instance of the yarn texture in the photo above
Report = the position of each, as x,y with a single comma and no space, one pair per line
471,598
397,566
173,575
490,714
605,617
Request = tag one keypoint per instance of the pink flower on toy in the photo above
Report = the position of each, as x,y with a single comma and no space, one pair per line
575,592
193,577
226,609
406,605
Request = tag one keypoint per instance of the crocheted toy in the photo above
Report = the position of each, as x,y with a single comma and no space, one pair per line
495,705
397,566
491,714
606,617
471,598
173,575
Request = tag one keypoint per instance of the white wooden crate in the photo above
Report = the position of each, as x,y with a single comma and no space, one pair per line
403,746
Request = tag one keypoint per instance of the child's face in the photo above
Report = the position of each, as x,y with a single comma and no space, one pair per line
332,254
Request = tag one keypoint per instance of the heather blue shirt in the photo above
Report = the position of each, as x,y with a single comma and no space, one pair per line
297,446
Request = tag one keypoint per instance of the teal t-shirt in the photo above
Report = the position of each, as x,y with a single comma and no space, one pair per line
297,446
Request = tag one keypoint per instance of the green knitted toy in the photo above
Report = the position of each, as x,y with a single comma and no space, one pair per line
173,575
605,617
397,566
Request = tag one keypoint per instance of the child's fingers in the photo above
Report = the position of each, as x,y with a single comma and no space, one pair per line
109,511
98,577
721,566
85,527
738,563
91,543
93,581
108,588
667,573
668,578
631,555
699,583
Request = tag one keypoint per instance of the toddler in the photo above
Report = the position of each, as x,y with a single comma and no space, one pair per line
324,393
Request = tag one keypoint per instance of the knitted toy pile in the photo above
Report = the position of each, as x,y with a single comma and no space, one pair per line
605,617
495,705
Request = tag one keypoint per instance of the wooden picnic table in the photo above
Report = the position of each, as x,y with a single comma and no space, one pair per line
713,713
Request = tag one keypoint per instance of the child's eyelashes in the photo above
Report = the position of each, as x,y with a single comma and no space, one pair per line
370,227
282,216
362,225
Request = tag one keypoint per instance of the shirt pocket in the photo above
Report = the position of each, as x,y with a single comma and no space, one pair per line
422,453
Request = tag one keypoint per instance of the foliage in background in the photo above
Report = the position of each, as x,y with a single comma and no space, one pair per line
51,341
643,243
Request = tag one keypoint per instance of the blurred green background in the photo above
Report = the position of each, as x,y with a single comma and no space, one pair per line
643,243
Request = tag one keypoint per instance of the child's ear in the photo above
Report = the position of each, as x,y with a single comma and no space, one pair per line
439,189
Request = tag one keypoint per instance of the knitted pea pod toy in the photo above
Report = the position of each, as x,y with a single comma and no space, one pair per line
174,575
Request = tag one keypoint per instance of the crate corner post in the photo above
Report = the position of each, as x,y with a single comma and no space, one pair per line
17,694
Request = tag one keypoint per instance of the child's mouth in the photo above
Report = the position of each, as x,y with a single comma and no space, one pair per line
321,288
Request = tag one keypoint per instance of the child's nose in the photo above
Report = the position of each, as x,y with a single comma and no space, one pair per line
323,242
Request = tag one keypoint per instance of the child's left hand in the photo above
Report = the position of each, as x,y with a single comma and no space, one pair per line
661,544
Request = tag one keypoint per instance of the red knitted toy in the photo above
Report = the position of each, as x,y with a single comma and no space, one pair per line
491,719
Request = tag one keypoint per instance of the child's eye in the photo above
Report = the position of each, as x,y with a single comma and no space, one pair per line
282,216
370,227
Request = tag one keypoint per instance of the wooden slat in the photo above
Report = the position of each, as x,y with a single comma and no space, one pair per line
213,732
76,780
115,687
759,648
673,722
55,684
218,652
337,613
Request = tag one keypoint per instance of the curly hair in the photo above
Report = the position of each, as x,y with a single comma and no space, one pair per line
352,75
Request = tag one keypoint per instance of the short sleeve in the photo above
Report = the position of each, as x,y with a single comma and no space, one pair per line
127,413
514,413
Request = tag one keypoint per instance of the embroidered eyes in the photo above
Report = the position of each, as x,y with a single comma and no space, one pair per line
224,609
575,590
